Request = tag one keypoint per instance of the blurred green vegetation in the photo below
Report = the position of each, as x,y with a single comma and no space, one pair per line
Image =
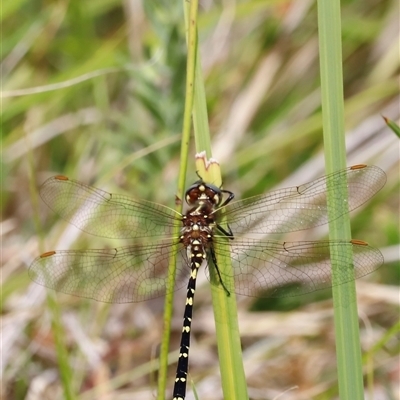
95,91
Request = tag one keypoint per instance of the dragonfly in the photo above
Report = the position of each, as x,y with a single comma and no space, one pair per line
139,271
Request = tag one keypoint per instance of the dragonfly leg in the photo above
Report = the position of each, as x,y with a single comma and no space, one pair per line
214,259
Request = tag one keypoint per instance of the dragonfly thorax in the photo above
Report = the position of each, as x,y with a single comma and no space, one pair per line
198,224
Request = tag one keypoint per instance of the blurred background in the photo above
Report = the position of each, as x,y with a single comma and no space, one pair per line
95,91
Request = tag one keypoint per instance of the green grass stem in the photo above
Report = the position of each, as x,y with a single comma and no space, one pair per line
348,348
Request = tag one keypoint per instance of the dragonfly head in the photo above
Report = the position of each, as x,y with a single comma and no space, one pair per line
202,192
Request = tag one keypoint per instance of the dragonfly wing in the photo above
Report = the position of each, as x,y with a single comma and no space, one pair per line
305,206
105,214
121,275
284,269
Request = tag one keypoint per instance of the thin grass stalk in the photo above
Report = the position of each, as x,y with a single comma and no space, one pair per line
348,348
225,311
187,119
